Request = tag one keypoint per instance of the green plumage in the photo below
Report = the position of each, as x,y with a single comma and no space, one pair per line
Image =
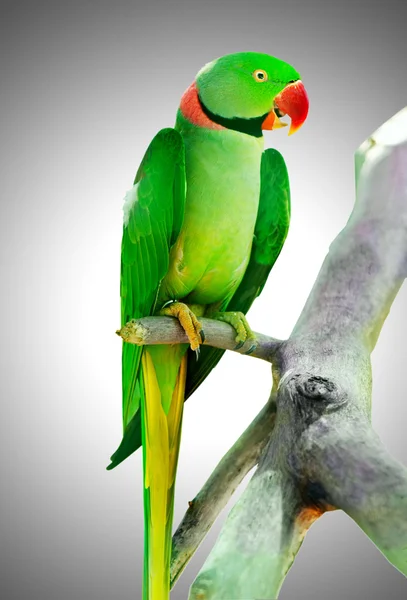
270,232
154,220
203,225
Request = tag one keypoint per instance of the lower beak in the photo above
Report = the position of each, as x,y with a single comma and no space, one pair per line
292,101
272,121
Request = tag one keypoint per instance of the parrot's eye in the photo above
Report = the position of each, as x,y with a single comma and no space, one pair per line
260,75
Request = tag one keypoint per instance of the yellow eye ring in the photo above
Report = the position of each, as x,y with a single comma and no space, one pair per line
260,75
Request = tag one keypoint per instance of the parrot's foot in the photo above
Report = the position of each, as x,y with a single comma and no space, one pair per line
188,322
241,326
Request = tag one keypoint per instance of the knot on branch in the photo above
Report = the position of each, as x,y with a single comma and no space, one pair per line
317,388
310,396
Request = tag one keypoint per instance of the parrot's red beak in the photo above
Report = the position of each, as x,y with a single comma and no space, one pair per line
292,101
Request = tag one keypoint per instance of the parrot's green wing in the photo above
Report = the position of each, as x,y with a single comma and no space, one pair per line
270,231
153,216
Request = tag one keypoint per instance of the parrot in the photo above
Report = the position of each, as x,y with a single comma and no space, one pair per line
204,223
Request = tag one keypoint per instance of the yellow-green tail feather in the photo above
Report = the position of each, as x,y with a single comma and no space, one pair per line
164,375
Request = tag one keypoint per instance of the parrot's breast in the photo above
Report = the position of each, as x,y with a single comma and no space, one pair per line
210,256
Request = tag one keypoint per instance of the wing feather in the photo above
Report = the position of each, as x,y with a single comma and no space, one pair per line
154,215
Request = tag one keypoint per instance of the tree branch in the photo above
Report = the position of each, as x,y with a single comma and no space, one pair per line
357,474
259,541
216,492
167,330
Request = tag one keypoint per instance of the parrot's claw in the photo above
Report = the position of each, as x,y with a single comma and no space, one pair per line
188,322
251,349
240,325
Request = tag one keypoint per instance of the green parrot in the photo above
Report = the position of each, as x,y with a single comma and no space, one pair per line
203,225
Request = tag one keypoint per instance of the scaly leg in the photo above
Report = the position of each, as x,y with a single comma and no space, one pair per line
188,322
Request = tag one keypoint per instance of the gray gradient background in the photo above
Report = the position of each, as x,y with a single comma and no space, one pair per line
84,88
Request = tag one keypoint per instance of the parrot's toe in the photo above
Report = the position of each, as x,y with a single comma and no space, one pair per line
240,325
188,322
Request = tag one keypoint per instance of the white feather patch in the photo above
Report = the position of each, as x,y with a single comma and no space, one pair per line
129,200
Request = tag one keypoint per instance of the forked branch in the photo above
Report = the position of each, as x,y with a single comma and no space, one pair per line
316,446
323,448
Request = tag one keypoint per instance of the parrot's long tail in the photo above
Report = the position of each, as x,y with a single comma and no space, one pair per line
164,374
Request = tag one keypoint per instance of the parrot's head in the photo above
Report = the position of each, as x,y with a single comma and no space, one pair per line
250,90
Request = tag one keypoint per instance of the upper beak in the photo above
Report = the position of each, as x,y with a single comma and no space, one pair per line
292,101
